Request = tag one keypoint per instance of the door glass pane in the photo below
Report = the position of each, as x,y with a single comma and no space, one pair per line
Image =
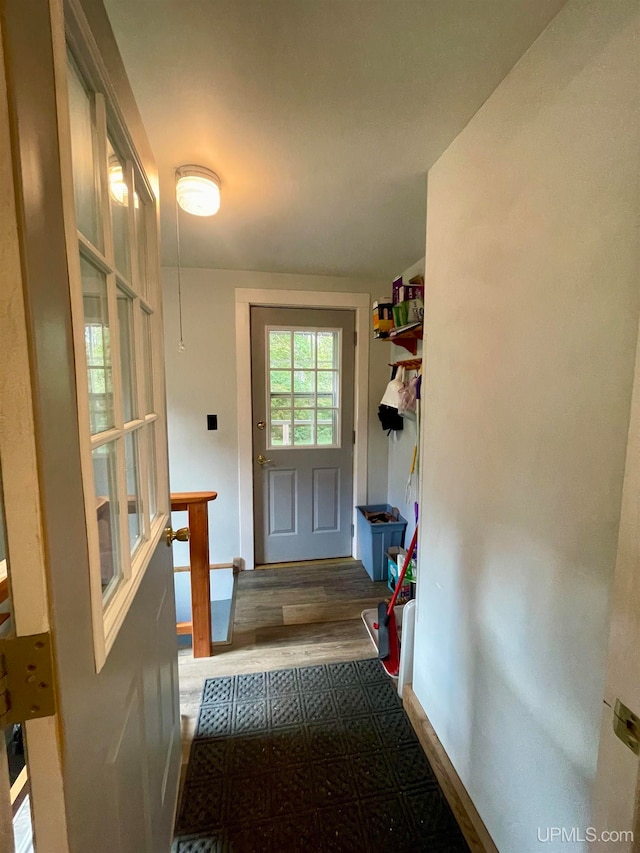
327,427
305,362
153,477
327,351
147,350
132,465
104,475
140,211
279,349
86,178
97,337
119,206
127,356
304,349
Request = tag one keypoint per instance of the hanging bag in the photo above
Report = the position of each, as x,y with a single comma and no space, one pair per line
388,409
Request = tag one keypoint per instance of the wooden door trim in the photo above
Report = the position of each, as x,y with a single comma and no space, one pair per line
245,298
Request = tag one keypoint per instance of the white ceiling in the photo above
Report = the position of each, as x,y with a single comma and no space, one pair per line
321,117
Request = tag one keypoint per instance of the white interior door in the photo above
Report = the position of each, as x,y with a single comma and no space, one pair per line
302,367
616,805
83,432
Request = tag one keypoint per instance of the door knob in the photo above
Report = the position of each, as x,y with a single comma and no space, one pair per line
182,535
261,425
262,460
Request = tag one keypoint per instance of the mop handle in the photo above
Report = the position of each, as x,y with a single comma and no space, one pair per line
407,560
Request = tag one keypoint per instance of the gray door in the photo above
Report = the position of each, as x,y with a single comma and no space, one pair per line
302,366
103,773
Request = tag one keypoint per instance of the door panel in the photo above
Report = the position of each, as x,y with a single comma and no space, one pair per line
282,502
117,731
302,363
326,499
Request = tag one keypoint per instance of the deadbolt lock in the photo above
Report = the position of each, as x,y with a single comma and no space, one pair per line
182,535
626,725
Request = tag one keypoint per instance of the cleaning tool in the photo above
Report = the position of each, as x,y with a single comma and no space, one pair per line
388,643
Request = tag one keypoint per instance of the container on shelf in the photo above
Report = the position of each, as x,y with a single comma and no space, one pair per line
377,537
395,561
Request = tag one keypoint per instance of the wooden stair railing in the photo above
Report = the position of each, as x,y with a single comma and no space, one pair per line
200,626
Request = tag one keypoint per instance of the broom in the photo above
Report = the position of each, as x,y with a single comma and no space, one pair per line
388,643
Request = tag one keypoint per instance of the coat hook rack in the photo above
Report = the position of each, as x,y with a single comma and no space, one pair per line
408,364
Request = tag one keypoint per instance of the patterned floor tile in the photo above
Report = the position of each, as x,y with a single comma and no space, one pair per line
351,701
319,706
410,767
250,686
218,690
343,674
313,678
285,711
249,755
282,682
326,739
214,721
342,829
250,716
208,758
296,832
289,746
334,782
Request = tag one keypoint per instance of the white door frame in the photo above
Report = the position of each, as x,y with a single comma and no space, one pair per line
245,298
21,489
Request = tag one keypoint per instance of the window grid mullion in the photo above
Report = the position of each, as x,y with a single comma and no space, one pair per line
123,506
144,441
131,228
101,137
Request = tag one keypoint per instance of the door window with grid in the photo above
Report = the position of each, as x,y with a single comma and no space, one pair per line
303,385
115,285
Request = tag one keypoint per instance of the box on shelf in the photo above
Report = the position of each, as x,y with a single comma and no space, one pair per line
380,528
382,317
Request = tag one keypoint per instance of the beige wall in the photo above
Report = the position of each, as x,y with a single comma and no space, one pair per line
531,317
202,380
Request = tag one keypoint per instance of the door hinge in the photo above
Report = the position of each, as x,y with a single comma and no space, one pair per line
353,437
626,725
353,530
355,339
26,679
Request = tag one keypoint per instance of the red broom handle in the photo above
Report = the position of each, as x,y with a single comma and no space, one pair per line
407,560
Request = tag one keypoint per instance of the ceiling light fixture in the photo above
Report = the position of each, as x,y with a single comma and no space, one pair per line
198,190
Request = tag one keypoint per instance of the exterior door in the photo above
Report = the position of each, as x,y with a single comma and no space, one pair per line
83,433
302,367
616,801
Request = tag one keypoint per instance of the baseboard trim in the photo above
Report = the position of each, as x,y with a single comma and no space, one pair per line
475,832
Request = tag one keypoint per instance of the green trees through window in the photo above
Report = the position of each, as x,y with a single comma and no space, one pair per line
304,386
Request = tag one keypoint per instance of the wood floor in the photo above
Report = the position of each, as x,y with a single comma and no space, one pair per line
290,616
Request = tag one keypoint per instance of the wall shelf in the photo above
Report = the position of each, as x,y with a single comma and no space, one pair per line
406,336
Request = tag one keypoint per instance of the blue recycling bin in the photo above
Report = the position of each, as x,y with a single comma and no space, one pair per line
376,539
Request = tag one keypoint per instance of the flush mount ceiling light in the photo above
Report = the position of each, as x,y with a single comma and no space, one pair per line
198,190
